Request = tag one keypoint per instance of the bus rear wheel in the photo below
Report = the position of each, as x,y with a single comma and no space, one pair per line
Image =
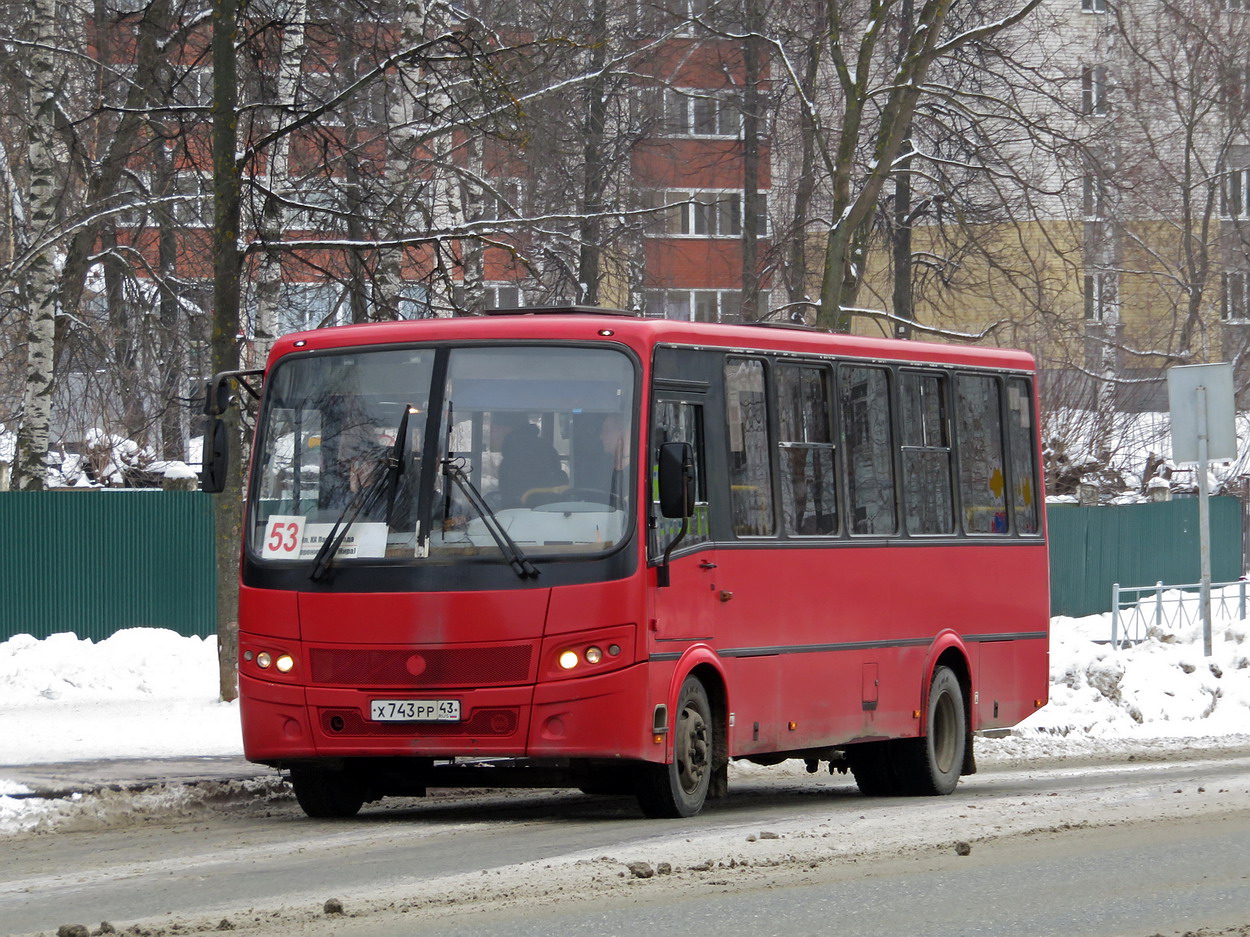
327,794
872,765
931,765
680,788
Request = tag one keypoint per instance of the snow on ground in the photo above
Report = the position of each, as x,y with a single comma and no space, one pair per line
150,693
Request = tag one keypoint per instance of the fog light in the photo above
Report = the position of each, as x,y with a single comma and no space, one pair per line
284,663
614,649
263,660
593,655
568,660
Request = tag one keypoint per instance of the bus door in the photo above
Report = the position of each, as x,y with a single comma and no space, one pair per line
686,609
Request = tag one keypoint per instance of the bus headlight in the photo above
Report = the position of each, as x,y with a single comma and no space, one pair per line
263,660
284,663
567,657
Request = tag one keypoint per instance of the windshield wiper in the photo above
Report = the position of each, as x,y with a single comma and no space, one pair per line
507,546
385,474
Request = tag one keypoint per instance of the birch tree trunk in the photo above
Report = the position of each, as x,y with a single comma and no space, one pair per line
41,275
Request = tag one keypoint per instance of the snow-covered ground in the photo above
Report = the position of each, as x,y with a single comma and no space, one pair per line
150,693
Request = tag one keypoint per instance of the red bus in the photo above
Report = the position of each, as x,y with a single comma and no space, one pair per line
564,547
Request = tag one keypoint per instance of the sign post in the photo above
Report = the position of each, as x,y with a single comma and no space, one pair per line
1203,428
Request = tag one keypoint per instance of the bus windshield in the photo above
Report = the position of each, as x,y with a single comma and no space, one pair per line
411,454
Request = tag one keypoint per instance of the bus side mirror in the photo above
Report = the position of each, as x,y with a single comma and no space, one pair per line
215,457
676,479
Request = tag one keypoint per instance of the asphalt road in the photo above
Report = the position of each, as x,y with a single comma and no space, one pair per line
1124,849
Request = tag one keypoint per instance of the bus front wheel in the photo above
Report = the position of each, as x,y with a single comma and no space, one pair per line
680,788
327,794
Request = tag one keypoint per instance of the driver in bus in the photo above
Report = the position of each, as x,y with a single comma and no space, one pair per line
526,460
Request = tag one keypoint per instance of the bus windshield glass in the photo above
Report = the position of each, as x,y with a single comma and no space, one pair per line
412,454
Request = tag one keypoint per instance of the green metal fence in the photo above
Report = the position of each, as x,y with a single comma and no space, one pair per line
93,562
96,561
1092,548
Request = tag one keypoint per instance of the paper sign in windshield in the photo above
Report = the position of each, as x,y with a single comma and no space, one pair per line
291,537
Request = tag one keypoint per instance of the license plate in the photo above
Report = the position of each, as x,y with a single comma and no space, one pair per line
414,710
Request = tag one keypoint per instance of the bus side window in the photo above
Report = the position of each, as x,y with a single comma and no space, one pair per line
750,467
805,430
678,421
982,477
864,395
927,496
1020,438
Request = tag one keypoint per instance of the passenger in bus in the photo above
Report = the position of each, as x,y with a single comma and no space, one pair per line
526,460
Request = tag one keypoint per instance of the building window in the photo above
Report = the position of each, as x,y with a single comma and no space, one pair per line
1237,193
503,200
504,296
699,305
195,87
1235,93
368,105
700,113
1236,305
1238,6
1093,198
715,213
310,306
1093,6
1101,295
318,208
1094,91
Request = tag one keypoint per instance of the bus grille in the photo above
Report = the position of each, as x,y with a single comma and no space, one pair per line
452,666
483,723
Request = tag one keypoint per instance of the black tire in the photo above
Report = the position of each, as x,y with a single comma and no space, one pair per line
680,789
931,765
327,795
872,766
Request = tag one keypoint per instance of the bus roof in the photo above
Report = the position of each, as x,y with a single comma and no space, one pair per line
583,324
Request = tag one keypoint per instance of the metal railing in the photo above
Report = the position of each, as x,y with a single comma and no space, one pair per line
1137,609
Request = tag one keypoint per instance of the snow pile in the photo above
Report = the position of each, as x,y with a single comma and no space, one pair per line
1162,687
133,664
142,693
